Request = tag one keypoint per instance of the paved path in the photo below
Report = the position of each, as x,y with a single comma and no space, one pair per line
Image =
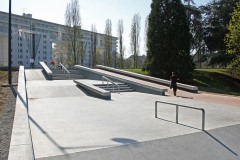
205,97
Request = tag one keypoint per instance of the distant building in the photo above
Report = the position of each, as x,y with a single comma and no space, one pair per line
129,61
35,38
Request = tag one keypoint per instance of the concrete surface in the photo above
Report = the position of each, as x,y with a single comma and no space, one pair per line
190,88
21,147
66,123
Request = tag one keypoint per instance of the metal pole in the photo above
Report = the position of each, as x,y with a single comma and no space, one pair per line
10,45
176,113
156,109
203,119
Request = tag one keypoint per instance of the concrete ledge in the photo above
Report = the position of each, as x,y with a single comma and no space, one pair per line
21,143
149,78
46,70
94,90
139,87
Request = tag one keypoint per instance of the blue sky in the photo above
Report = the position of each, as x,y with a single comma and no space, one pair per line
92,12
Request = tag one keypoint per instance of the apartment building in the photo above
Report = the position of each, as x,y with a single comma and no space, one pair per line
36,38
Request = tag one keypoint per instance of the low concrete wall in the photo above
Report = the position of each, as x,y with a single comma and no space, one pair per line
149,78
93,90
21,147
46,70
139,87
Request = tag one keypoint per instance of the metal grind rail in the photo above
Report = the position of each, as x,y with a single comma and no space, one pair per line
108,80
65,71
177,110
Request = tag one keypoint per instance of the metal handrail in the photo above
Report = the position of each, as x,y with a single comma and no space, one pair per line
65,70
108,80
177,108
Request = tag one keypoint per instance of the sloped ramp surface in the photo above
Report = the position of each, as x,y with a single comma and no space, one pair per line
221,144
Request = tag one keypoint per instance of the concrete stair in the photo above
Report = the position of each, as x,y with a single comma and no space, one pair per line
123,87
58,74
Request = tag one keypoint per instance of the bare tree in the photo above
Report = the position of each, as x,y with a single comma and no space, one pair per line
135,38
108,43
145,34
93,46
73,30
120,40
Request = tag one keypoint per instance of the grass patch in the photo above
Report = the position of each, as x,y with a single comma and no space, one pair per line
211,80
216,81
139,71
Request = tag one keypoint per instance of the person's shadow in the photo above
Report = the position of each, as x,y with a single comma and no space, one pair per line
185,97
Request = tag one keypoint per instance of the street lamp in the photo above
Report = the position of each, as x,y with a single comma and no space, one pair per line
9,45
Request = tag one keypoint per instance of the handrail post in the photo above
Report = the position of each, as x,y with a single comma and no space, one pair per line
156,109
177,113
203,119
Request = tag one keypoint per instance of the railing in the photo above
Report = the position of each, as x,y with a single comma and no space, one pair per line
108,80
177,108
65,71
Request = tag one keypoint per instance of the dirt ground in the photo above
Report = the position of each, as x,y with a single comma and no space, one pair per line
7,111
3,91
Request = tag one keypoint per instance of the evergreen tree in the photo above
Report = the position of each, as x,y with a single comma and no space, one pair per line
217,15
168,41
232,39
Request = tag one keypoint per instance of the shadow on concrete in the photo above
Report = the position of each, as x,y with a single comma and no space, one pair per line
87,93
48,136
13,91
209,134
62,148
185,97
179,124
16,93
45,75
221,143
124,140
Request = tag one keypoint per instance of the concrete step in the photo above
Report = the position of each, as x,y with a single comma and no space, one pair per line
59,71
123,87
110,85
65,76
120,90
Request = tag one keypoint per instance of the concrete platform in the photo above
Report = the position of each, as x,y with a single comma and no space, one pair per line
66,123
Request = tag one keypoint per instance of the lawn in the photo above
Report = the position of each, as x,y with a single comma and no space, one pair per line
211,80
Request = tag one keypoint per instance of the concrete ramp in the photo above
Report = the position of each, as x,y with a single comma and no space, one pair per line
50,89
218,144
34,74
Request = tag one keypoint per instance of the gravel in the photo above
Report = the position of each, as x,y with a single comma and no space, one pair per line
6,122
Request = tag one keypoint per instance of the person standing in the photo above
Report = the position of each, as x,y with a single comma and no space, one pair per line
31,62
173,84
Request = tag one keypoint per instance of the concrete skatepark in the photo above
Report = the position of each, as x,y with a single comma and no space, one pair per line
57,119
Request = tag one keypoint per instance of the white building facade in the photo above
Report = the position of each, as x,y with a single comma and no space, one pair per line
35,38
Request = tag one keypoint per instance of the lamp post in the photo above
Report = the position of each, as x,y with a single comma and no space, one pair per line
9,45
